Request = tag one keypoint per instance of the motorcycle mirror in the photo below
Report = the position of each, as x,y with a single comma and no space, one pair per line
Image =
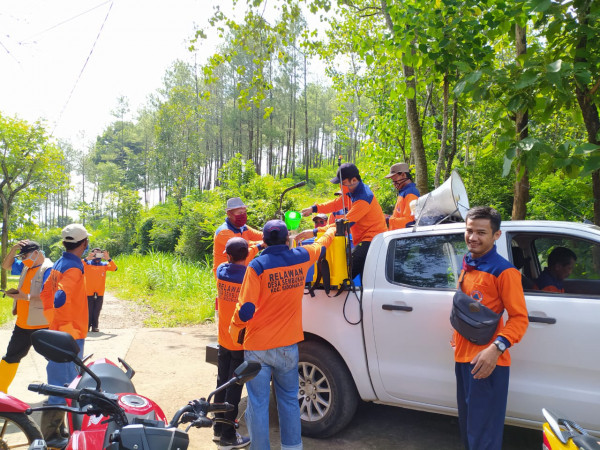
57,346
60,347
246,371
554,426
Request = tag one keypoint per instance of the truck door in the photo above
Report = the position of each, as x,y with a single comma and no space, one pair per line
410,310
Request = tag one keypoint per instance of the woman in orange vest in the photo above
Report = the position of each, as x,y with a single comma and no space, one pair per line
94,271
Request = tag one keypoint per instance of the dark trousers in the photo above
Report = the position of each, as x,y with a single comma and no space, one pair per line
227,362
481,407
359,255
94,308
19,345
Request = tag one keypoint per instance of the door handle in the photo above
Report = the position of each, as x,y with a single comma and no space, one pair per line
550,320
396,308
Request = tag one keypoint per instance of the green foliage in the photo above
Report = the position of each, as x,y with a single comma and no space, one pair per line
178,292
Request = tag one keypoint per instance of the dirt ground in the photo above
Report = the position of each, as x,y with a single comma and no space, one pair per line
171,370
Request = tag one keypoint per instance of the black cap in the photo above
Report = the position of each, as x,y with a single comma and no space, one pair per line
29,246
275,231
237,248
345,172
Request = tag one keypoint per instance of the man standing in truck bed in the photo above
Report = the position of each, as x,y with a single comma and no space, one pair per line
365,216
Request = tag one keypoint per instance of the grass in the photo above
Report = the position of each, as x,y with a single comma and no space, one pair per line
7,302
178,292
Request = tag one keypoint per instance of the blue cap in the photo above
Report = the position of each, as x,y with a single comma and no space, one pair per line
275,230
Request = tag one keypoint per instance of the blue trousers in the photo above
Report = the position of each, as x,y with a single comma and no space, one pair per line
481,407
60,374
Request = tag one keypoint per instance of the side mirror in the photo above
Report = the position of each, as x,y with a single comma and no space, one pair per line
246,371
554,426
57,346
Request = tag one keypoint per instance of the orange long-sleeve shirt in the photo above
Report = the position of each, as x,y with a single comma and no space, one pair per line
229,283
402,214
64,297
365,215
95,275
495,283
225,232
270,301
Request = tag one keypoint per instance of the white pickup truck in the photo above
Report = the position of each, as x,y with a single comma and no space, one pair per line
389,343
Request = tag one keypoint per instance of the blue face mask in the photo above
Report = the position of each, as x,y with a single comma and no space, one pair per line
86,250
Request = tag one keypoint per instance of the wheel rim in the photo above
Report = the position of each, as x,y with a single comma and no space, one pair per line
12,435
314,394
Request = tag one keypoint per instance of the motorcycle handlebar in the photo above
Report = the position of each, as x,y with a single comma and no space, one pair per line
57,391
220,407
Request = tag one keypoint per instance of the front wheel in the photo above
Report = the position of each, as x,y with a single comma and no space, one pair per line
327,394
17,430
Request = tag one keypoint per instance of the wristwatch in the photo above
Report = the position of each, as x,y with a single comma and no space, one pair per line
500,345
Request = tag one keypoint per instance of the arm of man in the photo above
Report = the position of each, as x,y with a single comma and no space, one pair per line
314,250
510,290
326,208
8,263
111,266
254,235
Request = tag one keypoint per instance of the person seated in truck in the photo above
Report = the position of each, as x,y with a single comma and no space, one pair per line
561,262
402,217
365,216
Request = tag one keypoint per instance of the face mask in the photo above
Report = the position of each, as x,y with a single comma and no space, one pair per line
239,220
29,261
86,250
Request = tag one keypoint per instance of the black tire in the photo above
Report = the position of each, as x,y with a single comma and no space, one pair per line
327,395
17,430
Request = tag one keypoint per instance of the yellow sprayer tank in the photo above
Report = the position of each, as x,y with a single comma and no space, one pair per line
336,257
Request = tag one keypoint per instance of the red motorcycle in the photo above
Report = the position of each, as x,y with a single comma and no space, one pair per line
17,430
105,412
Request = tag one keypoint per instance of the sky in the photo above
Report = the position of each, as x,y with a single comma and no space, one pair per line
45,44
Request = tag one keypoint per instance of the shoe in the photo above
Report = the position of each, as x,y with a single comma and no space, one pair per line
238,441
95,330
216,436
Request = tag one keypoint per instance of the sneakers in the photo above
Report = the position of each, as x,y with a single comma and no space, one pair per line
216,436
238,441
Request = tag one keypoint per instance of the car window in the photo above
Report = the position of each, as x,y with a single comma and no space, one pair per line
426,261
585,276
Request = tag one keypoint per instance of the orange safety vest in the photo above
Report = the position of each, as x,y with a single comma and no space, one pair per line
95,275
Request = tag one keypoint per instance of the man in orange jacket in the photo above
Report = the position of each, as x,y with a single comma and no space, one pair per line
268,320
34,269
234,226
365,216
231,353
482,371
402,216
65,304
561,263
94,271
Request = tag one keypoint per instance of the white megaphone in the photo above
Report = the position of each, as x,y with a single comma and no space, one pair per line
449,200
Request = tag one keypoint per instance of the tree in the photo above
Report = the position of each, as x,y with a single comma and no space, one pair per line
29,162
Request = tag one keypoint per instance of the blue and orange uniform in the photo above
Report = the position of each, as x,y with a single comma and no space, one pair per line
94,271
230,353
547,282
365,216
339,214
272,290
225,232
402,216
495,283
66,306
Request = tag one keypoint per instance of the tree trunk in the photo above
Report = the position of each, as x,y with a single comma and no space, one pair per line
521,190
412,116
442,153
454,143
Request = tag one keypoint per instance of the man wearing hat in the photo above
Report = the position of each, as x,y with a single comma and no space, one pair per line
65,304
234,226
27,260
230,275
268,321
365,216
407,192
320,220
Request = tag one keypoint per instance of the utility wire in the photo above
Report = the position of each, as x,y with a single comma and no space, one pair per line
26,41
82,69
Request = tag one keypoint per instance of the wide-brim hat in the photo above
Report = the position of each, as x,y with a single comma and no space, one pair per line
234,203
398,168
